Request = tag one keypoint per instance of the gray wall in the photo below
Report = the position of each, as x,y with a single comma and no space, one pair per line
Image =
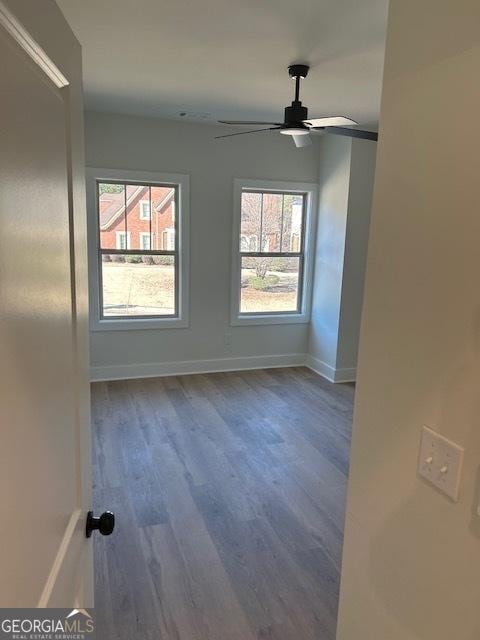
124,142
362,174
411,563
346,176
335,154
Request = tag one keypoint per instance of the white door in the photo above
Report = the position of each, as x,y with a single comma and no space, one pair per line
45,558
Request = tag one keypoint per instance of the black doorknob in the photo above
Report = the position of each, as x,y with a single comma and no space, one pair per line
105,523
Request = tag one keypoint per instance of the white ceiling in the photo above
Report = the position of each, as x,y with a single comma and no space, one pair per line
229,58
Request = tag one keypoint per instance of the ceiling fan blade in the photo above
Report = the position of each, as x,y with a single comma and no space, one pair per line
302,141
247,122
333,121
242,133
353,133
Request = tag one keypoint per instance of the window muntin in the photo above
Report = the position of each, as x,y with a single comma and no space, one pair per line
138,274
272,268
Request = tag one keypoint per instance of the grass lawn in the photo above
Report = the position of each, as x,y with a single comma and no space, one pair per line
280,297
142,289
138,289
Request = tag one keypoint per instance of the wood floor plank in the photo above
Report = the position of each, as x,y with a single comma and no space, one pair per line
299,520
229,491
181,614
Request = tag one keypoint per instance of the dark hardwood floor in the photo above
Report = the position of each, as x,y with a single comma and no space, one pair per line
229,491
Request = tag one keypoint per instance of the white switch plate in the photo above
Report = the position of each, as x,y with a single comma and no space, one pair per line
440,462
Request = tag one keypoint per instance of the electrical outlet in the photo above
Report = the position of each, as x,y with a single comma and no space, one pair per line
227,338
440,462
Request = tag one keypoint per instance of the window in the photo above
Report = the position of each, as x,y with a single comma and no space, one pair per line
248,242
144,208
145,241
123,240
137,279
272,271
168,238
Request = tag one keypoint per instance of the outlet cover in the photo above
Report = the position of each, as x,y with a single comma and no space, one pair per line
440,462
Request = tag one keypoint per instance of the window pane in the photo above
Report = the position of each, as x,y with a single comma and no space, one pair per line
271,221
111,212
138,285
269,285
138,215
277,216
149,210
163,218
251,215
292,223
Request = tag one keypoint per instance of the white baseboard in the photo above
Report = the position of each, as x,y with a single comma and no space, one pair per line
322,368
156,369
330,373
346,375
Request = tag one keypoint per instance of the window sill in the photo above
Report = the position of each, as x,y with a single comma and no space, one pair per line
139,324
286,318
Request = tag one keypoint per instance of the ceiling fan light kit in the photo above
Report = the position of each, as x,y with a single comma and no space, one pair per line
295,131
297,124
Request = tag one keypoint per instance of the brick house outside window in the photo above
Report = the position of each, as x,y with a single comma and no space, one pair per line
160,220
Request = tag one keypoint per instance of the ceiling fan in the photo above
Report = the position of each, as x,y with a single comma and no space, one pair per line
297,123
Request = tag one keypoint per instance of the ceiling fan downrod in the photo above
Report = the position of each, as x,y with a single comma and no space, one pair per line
296,113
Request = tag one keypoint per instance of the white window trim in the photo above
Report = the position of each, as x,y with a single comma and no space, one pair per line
311,191
117,236
183,182
140,210
141,235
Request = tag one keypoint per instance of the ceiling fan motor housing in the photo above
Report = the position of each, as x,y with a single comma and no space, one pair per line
296,113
